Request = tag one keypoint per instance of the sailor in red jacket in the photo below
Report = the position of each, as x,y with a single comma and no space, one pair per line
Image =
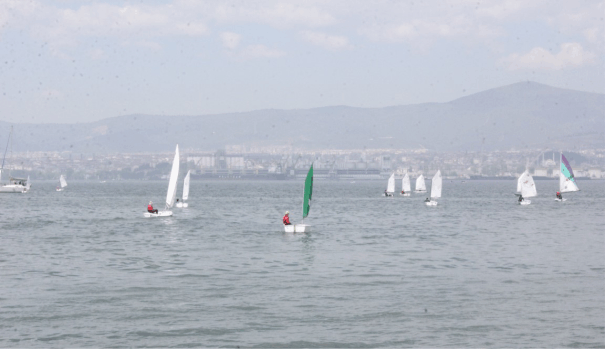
286,218
150,208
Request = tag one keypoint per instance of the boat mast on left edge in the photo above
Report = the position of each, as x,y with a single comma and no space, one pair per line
15,185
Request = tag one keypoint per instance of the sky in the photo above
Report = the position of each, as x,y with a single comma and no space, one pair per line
68,61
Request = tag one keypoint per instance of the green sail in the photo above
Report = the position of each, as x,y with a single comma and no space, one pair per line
308,193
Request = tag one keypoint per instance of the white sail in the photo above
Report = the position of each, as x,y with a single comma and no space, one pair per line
528,187
436,185
174,176
567,182
62,181
420,185
28,185
405,184
519,182
391,184
186,186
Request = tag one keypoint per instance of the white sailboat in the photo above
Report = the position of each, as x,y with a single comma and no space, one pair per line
185,191
567,182
171,193
436,185
390,186
420,185
307,194
405,186
15,185
62,183
528,188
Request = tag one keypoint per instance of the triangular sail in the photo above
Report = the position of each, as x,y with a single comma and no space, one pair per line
186,186
308,192
436,185
567,182
391,184
519,182
405,184
528,187
174,175
420,185
28,183
62,181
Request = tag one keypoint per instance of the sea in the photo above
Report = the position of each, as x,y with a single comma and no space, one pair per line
84,268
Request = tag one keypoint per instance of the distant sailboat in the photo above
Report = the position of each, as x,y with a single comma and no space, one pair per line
420,185
307,194
567,182
405,186
185,191
436,185
528,188
15,185
390,186
62,183
171,193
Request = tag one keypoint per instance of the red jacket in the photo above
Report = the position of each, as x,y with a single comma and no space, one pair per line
286,220
149,208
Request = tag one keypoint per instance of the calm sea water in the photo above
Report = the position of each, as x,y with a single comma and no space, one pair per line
83,267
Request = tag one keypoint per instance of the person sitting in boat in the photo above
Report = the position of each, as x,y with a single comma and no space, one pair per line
521,198
427,200
150,208
402,192
286,219
177,201
385,193
559,196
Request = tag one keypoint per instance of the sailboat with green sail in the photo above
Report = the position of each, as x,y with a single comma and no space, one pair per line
567,182
307,194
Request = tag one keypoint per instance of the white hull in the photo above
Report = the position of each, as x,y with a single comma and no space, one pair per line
159,214
431,203
557,199
182,204
59,189
406,194
525,202
11,188
387,195
297,228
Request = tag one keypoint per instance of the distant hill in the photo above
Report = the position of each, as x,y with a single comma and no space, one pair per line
522,115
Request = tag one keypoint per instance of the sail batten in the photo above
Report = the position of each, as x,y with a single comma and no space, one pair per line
567,181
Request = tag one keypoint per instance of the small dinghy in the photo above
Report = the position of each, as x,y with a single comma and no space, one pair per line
62,183
405,186
171,194
436,185
182,204
390,186
567,181
307,194
527,187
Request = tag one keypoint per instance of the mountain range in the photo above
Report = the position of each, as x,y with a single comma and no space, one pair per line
525,115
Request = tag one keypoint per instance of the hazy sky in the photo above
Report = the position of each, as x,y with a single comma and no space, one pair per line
79,61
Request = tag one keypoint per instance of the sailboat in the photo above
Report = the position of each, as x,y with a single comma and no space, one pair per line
185,191
307,194
390,186
171,193
567,182
15,185
436,185
62,183
405,186
420,185
528,188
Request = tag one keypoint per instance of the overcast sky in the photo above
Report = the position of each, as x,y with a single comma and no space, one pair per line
80,61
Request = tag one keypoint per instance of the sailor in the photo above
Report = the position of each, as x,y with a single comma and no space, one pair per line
385,193
521,198
402,192
286,219
559,196
427,200
150,208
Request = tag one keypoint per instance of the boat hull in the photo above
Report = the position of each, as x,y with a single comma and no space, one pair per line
182,204
560,200
13,189
387,195
525,202
159,214
297,228
431,203
406,194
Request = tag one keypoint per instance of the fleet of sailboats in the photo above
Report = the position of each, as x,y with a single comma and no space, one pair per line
307,195
171,192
